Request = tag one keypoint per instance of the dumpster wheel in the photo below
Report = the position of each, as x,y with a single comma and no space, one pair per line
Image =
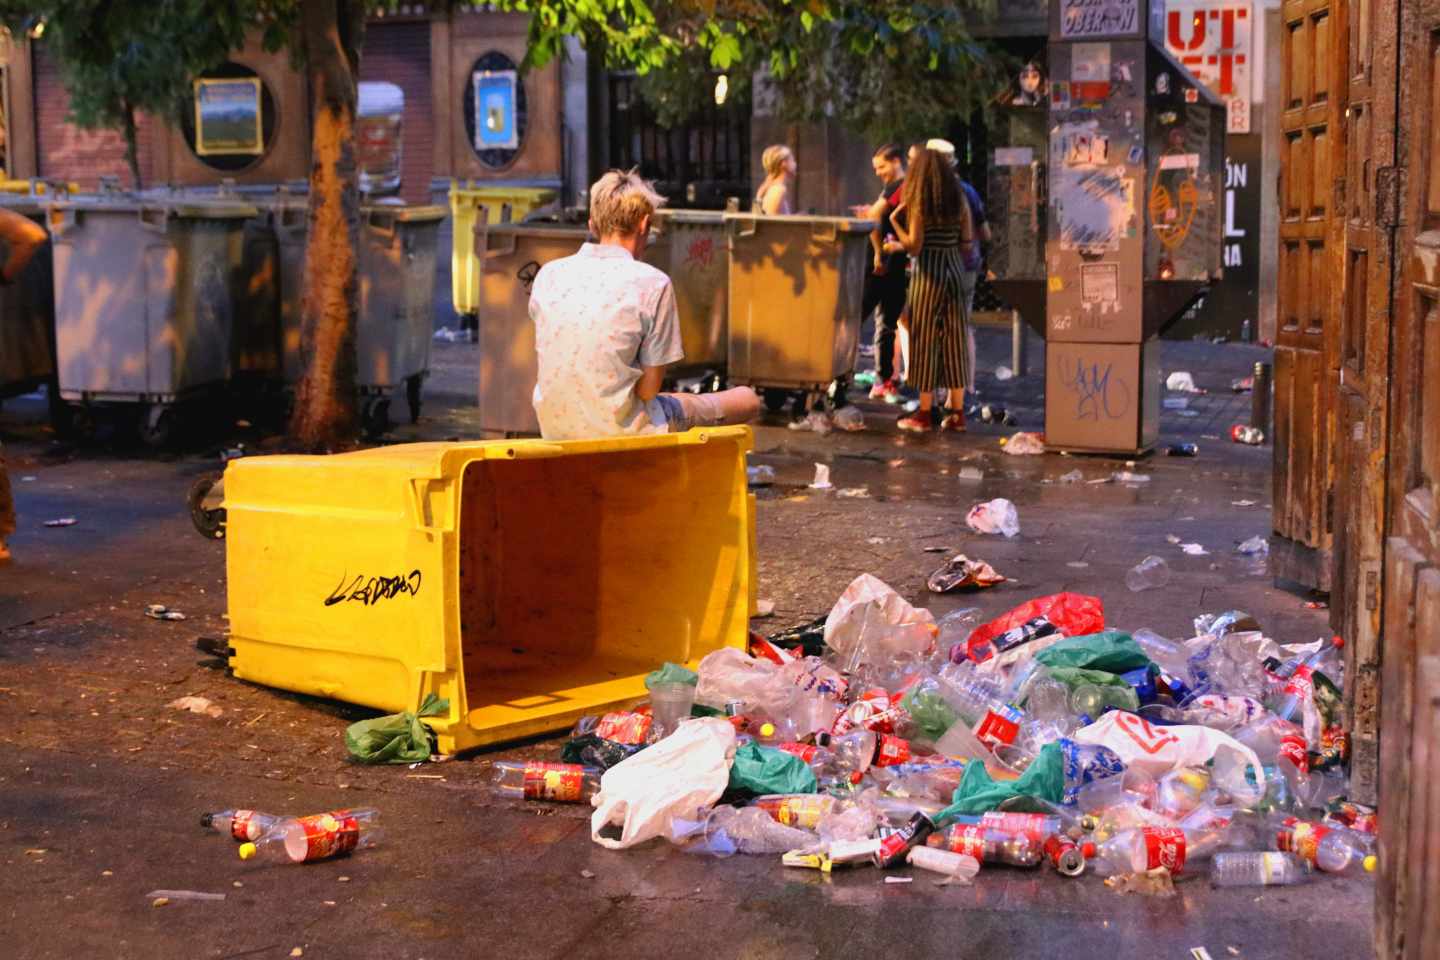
157,426
775,399
210,521
375,417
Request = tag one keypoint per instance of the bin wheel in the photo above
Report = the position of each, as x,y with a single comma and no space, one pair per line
79,423
157,427
376,417
209,522
412,396
775,399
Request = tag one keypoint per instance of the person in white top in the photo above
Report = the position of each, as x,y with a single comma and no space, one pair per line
774,196
606,326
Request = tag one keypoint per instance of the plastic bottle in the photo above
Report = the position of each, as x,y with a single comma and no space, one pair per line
730,830
1332,849
1179,792
990,845
241,825
1146,848
857,750
1148,574
947,862
622,726
1254,868
534,780
317,837
1241,433
977,702
803,810
896,846
1171,657
1301,682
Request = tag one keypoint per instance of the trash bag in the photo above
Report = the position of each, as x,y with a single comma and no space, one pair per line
1075,614
678,778
994,516
671,673
1109,650
595,751
396,738
732,674
872,616
758,771
1157,750
809,637
978,792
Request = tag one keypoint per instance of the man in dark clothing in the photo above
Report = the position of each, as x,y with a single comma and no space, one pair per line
885,283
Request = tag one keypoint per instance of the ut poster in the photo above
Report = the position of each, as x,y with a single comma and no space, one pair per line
227,116
495,110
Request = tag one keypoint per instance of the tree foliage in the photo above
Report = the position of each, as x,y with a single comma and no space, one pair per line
883,68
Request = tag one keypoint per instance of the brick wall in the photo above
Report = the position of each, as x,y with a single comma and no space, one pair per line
63,150
399,53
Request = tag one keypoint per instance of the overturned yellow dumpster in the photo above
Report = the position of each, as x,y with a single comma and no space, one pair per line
528,582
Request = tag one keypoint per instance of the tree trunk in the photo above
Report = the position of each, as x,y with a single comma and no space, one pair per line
325,414
132,145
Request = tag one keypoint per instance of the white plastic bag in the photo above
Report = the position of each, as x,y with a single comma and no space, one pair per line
679,778
731,674
1157,750
1181,381
871,614
1024,443
994,516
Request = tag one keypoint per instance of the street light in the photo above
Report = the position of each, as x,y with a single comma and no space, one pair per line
722,89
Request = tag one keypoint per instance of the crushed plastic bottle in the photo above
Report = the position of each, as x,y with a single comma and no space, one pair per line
1149,574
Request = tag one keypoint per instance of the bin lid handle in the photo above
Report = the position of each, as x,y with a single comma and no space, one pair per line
824,230
419,487
743,226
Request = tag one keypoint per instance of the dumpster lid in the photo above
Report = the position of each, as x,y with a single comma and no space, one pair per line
713,217
537,228
501,191
405,212
193,207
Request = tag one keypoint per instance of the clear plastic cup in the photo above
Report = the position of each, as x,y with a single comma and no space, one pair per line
670,703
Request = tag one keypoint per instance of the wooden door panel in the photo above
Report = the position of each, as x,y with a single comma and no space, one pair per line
1424,768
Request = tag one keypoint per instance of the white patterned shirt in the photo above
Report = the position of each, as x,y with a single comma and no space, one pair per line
600,317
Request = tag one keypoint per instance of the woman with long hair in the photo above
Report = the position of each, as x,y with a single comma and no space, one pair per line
774,197
934,223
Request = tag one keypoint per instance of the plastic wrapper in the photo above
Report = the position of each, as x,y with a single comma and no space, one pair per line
728,830
960,572
593,751
396,738
758,770
871,621
1110,650
994,516
1075,614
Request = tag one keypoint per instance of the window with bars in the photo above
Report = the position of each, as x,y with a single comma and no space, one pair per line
696,164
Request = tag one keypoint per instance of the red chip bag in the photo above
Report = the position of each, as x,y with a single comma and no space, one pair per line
1074,613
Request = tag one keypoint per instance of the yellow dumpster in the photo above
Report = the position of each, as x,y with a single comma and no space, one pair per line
465,204
530,583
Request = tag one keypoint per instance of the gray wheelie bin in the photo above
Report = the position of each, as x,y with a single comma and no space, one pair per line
145,298
796,284
510,254
689,245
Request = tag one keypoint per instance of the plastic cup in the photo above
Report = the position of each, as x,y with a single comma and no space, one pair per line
670,703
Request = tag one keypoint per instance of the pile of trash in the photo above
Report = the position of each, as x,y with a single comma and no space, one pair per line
878,736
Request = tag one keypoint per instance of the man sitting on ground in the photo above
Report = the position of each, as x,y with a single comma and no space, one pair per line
606,326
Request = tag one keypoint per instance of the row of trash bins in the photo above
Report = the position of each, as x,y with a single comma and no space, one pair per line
163,297
877,735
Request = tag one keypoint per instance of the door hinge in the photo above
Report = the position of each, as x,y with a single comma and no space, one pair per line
1372,589
1389,189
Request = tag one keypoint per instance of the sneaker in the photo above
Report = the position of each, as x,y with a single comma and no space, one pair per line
953,421
917,422
878,392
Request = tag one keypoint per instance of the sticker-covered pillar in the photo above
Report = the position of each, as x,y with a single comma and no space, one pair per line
1133,232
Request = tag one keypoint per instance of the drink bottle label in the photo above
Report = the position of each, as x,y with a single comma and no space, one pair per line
329,834
893,751
243,826
1292,748
1301,837
1272,865
1164,847
804,751
803,812
1301,683
967,838
564,782
999,725
628,728
1032,825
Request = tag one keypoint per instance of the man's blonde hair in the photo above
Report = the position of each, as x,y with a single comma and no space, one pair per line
620,200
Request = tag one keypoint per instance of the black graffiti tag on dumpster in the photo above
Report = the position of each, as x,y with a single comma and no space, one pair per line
371,590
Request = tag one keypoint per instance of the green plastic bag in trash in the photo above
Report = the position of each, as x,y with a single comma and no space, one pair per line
1109,650
929,710
397,738
1118,693
763,770
978,792
671,673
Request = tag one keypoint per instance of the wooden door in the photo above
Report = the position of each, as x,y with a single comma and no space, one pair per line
1362,384
1311,265
1407,917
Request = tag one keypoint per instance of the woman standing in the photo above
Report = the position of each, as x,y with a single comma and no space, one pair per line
774,196
939,227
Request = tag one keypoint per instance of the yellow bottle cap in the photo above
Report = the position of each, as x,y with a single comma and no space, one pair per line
767,730
247,850
1369,863
1194,779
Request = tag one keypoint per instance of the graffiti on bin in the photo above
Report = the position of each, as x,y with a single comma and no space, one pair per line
526,274
370,591
1096,395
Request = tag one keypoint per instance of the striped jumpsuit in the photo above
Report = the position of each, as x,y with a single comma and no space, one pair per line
938,324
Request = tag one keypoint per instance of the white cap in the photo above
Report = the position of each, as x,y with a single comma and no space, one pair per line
940,145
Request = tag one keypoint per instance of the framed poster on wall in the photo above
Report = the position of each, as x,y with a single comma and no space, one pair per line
227,116
495,127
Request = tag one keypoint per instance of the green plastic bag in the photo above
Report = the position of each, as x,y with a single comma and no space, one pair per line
978,792
397,738
671,673
1121,694
763,770
928,709
1110,650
